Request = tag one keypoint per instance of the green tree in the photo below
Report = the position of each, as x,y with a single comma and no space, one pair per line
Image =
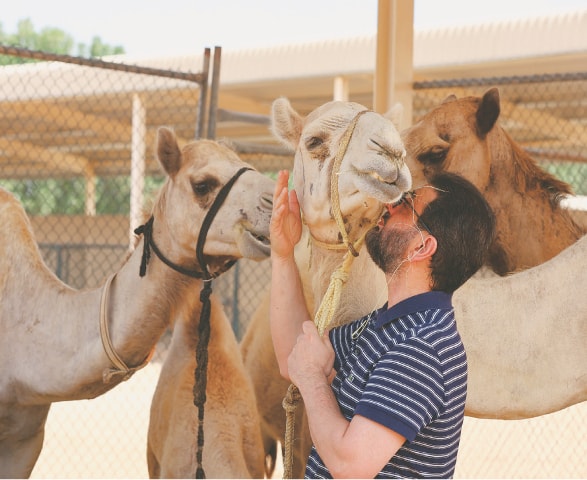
52,40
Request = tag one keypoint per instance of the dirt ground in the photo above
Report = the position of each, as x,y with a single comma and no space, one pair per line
106,438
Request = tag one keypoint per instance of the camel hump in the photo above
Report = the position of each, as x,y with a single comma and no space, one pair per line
11,210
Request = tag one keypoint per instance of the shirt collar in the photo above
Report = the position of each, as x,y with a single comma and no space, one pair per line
418,303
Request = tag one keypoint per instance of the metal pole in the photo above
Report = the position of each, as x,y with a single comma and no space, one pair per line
214,94
203,96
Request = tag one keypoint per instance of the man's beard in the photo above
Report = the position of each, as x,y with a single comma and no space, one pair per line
388,247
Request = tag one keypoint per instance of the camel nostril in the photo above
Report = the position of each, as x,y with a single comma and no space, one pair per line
266,200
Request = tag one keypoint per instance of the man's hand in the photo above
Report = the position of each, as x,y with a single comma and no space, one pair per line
312,358
286,222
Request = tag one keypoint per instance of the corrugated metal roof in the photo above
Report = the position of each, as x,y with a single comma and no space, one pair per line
539,36
500,41
251,79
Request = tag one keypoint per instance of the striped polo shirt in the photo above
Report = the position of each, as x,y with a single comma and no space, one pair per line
405,368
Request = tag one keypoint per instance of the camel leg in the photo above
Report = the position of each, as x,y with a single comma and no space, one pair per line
152,463
21,439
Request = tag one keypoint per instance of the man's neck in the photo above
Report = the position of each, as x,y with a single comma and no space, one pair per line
405,284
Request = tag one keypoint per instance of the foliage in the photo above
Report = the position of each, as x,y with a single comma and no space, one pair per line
52,40
58,196
573,173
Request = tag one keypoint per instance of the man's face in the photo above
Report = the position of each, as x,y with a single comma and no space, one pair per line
390,240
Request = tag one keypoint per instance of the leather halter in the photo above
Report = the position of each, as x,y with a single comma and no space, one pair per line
120,367
147,231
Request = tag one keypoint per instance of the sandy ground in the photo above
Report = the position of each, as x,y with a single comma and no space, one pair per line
106,438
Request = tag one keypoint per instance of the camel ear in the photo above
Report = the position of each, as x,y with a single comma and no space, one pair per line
286,123
395,114
487,112
168,151
450,98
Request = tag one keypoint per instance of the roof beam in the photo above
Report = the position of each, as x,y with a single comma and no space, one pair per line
54,161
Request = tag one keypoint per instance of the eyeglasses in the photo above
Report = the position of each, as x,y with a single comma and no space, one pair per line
410,203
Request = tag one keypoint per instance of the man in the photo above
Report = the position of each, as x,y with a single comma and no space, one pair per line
385,394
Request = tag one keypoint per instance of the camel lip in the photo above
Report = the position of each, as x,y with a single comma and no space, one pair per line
256,245
399,200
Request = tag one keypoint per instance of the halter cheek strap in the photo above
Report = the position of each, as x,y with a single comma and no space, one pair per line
218,201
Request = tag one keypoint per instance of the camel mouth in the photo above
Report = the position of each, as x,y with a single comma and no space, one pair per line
379,189
399,201
254,245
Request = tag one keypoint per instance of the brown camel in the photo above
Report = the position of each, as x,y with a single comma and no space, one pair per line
368,292
60,344
464,136
232,433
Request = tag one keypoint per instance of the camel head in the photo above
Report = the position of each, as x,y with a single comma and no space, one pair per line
454,137
464,136
196,173
372,170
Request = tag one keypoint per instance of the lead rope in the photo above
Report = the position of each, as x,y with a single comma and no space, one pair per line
331,298
200,373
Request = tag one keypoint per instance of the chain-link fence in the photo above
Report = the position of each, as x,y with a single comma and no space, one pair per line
69,134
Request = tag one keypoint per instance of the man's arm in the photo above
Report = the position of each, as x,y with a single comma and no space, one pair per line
288,307
356,449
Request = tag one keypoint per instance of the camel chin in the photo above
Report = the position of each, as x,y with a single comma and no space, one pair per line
251,242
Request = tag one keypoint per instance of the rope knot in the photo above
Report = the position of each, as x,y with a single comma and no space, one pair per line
206,290
340,276
291,399
147,231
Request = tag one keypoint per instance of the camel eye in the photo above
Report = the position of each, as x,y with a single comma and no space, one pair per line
314,142
433,156
201,189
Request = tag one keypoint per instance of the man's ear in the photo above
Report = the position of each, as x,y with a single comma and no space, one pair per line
424,249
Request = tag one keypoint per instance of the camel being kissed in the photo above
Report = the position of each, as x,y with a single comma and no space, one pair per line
518,394
60,344
372,172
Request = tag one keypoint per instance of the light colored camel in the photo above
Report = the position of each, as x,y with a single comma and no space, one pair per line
526,338
485,400
232,434
371,173
464,136
51,347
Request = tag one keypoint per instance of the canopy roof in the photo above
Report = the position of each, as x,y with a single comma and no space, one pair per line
77,119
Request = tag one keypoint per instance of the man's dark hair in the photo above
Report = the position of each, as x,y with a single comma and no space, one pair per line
464,226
